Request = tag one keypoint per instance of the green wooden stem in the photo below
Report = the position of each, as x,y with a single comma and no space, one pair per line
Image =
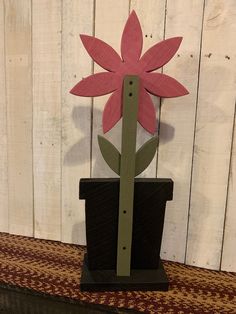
127,173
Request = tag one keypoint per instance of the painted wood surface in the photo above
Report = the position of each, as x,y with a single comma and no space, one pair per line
152,19
127,171
3,130
132,61
177,122
104,193
76,117
213,135
228,261
65,129
106,25
47,118
19,115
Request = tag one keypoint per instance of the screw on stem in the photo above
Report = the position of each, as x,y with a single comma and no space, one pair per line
127,174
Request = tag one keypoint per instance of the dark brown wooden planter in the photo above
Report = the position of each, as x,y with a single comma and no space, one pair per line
101,206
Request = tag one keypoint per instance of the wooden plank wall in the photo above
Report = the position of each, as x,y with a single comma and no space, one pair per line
18,67
49,138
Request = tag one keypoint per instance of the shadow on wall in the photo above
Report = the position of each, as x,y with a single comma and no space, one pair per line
76,156
201,236
78,152
78,232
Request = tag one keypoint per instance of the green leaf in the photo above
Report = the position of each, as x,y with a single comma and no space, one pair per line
110,154
145,155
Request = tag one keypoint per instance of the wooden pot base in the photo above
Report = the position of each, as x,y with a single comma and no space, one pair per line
101,207
140,280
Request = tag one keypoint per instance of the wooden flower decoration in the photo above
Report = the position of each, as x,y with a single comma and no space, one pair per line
131,63
130,80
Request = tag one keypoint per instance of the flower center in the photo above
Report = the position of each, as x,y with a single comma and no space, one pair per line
129,68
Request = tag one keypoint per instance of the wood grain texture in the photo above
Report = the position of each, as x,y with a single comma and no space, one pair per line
112,111
139,280
56,198
98,84
127,173
163,85
177,122
103,54
47,118
160,54
3,130
19,115
76,113
110,154
228,262
110,18
102,196
151,14
132,40
145,155
213,135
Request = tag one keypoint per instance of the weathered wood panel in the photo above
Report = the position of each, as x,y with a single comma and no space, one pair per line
64,128
228,255
151,14
19,115
109,20
3,131
76,116
213,134
47,117
177,122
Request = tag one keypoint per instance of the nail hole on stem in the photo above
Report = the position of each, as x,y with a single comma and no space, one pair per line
124,211
130,94
124,247
131,82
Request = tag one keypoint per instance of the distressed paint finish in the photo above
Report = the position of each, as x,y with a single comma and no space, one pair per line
47,118
213,135
228,248
19,115
127,172
103,83
152,18
177,123
176,129
136,106
109,20
76,117
3,131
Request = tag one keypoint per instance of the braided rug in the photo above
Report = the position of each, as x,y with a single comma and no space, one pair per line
54,268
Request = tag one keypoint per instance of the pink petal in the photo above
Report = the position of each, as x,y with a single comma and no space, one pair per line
96,85
102,53
160,54
112,111
163,85
146,112
132,39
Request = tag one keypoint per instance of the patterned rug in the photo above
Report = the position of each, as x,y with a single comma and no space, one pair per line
54,268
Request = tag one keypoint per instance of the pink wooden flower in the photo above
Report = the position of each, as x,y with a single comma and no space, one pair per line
131,63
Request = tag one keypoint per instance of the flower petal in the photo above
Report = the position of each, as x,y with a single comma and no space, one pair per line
163,85
160,54
101,52
96,85
146,112
112,111
132,39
